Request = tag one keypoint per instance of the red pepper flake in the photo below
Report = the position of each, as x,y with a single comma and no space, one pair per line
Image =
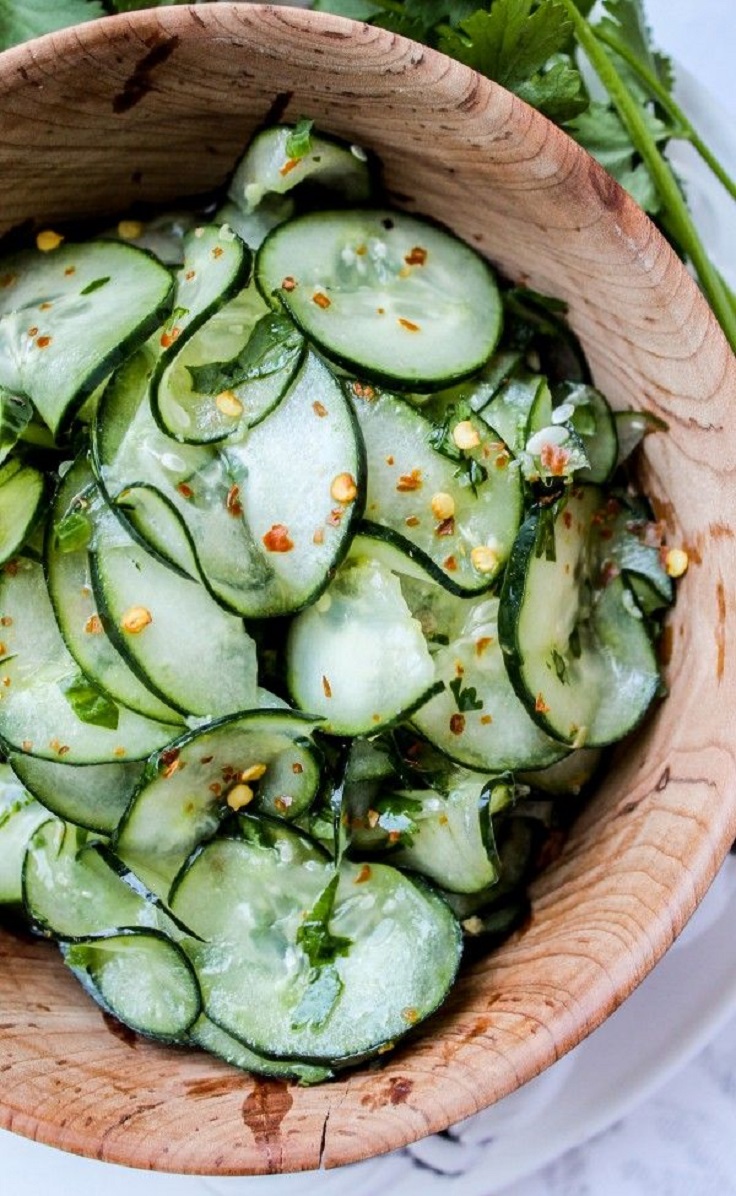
185,490
540,705
416,256
446,527
380,311
484,642
486,719
326,687
412,521
93,626
457,724
206,759
389,460
190,274
277,539
168,338
502,460
335,517
450,564
43,342
215,788
567,518
554,459
233,504
297,768
319,409
409,481
283,802
6,620
217,252
168,757
364,875
459,669
45,306
319,536
288,284
321,300
33,331
172,768
70,270
394,836
409,325
289,165
362,390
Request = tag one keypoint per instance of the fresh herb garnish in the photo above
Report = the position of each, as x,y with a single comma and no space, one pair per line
89,703
273,344
299,141
73,531
467,698
95,285
314,936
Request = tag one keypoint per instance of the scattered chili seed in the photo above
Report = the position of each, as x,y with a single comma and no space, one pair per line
233,504
172,768
484,642
450,563
484,559
554,459
6,682
321,300
289,165
412,521
297,768
130,230
676,562
135,619
33,331
486,719
254,772
409,325
326,687
389,460
362,390
443,505
93,626
228,403
409,481
70,270
45,306
319,536
6,621
364,875
217,252
43,342
119,752
240,796
216,788
48,240
344,488
190,274
466,435
288,284
410,1015
277,539
283,802
540,705
185,490
319,409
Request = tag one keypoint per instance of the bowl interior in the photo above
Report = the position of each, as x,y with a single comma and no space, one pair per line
156,105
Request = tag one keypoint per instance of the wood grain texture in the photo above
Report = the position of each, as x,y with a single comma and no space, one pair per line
159,104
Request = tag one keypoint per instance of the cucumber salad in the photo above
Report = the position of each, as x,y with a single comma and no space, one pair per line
323,587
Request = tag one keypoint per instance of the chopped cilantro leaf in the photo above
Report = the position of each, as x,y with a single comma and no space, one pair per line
465,699
299,141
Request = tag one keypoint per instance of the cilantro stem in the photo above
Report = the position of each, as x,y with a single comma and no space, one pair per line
680,222
685,129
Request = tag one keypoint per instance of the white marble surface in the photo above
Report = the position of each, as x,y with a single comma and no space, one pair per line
666,1100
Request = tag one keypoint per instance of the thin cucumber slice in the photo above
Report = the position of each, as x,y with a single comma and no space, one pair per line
450,835
185,794
163,236
568,776
300,522
579,658
231,375
70,890
402,955
391,297
141,977
146,608
590,415
253,227
74,516
153,520
36,716
508,412
628,541
23,490
357,656
90,305
204,1033
283,157
217,265
631,428
16,414
461,512
93,796
20,815
477,719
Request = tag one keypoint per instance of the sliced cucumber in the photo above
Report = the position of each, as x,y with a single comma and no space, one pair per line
592,418
579,658
402,955
35,715
16,414
141,977
263,756
217,265
153,520
357,657
94,796
253,227
22,493
387,295
477,719
76,512
20,815
283,157
204,1033
631,428
231,374
459,513
70,316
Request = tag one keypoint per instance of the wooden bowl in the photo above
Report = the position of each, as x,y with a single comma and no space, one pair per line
159,104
